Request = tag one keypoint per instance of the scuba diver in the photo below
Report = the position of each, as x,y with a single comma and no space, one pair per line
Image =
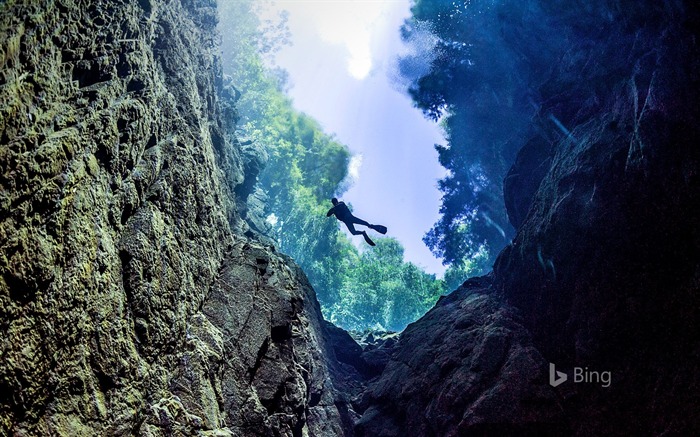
342,213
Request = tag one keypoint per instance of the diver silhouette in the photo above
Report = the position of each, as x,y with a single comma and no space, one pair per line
342,213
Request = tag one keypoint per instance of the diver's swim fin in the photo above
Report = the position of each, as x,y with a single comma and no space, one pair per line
367,239
379,228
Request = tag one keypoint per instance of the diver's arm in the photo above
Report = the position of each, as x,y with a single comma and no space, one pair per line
330,212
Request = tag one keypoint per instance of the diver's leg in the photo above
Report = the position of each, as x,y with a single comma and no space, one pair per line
359,221
379,228
352,229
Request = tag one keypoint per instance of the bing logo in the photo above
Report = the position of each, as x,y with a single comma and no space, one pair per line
581,374
555,377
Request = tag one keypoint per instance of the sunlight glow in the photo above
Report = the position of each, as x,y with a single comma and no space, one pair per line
341,59
354,167
351,24
272,219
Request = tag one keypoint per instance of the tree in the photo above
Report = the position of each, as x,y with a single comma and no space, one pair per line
474,88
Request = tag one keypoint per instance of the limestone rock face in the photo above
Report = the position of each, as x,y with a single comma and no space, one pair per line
134,297
468,367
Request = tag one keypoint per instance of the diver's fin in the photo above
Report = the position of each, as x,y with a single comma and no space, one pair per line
379,228
367,239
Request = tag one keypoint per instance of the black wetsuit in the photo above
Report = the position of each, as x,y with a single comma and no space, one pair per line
342,213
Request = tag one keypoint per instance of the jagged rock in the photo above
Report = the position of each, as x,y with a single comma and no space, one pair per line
254,160
256,216
131,301
467,367
346,349
271,363
376,349
603,272
524,178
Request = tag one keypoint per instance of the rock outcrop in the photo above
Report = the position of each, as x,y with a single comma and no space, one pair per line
135,298
468,367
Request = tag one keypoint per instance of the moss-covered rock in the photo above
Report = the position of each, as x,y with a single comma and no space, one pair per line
131,299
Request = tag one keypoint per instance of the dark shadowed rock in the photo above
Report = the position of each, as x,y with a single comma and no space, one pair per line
603,272
524,178
466,366
346,349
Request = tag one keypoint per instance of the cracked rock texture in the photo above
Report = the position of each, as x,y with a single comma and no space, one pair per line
134,296
468,367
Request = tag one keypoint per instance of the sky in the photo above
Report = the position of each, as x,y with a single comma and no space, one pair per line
340,64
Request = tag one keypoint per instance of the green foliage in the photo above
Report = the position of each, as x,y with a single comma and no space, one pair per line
306,168
458,272
381,291
248,45
495,82
474,87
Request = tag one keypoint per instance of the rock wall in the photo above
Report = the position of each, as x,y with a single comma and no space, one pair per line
468,367
134,297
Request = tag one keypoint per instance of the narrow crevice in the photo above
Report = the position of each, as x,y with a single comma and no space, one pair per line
258,359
